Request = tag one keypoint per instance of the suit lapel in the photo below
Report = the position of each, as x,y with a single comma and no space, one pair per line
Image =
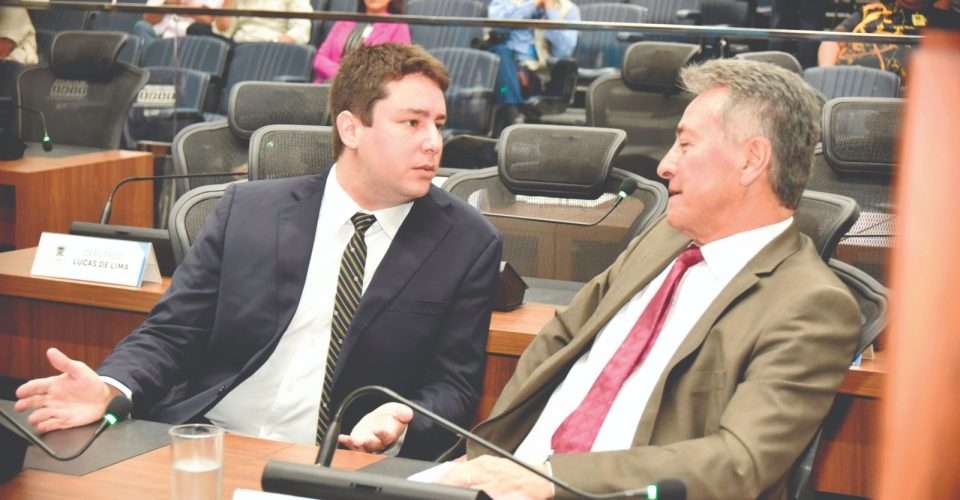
761,265
296,230
421,232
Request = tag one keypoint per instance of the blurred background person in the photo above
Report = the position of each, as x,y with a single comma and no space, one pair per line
345,35
902,17
524,52
18,38
155,26
260,29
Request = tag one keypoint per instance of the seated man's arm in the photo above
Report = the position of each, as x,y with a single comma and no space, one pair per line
508,9
172,340
562,42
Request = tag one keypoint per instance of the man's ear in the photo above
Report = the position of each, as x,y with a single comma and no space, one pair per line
758,153
349,127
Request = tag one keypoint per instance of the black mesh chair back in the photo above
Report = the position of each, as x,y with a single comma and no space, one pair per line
551,197
278,151
852,81
645,101
872,298
9,72
723,12
785,60
435,37
189,214
83,93
857,159
470,96
171,100
600,52
825,218
267,61
222,147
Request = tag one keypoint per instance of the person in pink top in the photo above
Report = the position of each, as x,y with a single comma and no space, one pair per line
346,35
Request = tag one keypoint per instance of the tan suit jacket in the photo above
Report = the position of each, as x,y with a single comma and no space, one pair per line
740,399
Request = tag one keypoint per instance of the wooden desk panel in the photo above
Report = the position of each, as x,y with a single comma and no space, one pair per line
148,476
87,319
39,193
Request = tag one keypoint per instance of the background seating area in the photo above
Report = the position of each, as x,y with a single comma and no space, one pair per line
195,94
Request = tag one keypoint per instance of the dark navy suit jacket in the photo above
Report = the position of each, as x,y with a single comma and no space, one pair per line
420,329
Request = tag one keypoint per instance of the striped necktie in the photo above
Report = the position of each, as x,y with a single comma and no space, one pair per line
349,290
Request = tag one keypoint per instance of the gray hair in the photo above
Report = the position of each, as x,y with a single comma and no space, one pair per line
784,108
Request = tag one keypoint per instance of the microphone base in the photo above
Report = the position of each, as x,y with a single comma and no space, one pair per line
320,482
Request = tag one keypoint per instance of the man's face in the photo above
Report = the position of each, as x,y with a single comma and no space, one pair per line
703,171
398,154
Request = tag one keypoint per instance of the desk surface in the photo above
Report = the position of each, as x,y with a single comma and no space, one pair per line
148,476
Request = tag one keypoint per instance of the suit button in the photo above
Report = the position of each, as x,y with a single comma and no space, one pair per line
221,389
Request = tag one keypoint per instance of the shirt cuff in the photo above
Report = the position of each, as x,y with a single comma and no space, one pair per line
553,487
118,386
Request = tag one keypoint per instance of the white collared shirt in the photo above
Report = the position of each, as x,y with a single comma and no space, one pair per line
281,400
701,284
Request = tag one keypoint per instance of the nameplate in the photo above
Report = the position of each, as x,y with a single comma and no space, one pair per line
102,260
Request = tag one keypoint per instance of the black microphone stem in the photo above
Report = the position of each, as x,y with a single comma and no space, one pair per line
108,206
325,456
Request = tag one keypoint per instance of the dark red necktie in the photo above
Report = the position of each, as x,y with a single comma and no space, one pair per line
578,432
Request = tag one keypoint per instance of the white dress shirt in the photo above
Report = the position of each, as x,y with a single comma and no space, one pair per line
701,284
173,25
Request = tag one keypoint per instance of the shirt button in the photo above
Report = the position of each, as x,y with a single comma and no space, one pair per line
324,405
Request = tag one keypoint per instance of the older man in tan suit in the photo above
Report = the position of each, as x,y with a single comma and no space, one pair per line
712,348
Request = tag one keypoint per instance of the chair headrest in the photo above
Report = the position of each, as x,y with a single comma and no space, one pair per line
255,104
785,60
655,66
86,55
860,133
558,161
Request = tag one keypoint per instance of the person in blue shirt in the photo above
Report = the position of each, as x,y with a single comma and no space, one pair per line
524,52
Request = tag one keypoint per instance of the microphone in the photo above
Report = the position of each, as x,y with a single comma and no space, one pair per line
117,410
108,206
627,187
46,143
665,489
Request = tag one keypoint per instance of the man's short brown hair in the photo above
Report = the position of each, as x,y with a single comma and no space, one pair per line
364,73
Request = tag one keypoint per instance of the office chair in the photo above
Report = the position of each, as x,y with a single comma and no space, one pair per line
852,81
83,93
278,151
223,147
857,159
435,37
826,218
188,216
600,53
872,298
171,100
645,100
551,197
785,60
267,61
200,53
470,95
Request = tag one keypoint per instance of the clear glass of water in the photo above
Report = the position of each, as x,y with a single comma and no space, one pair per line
197,461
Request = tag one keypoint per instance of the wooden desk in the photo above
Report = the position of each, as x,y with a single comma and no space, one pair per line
148,476
87,320
43,193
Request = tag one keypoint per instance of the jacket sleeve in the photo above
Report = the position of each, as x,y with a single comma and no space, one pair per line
171,341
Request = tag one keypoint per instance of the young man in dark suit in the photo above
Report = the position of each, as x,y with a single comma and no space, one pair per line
293,295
